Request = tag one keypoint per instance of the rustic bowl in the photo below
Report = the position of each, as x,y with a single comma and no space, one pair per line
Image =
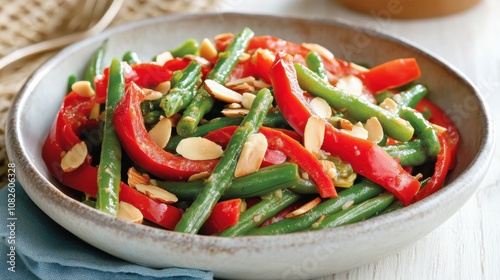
299,255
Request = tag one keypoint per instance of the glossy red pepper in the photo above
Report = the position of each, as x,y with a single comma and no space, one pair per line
447,157
224,214
390,74
129,126
291,148
365,157
64,134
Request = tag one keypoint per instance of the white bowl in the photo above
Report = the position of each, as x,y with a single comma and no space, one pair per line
299,255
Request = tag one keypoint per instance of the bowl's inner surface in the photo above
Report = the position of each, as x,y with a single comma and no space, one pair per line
41,99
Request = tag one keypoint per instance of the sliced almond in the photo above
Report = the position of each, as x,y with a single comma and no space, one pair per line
358,67
247,100
345,124
350,84
247,80
83,89
163,87
242,88
157,193
259,84
95,112
329,167
375,130
252,155
321,107
244,57
199,176
198,59
161,132
75,157
233,106
357,131
322,51
136,178
439,129
235,112
389,105
314,134
129,212
208,50
151,95
304,208
221,92
347,204
198,148
163,57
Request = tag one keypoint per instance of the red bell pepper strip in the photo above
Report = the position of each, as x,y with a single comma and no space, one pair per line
447,157
224,214
290,147
390,74
365,157
64,135
129,126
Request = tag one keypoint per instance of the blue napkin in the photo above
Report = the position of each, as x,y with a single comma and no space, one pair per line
45,250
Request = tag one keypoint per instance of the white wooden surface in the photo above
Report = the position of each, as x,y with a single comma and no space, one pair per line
467,246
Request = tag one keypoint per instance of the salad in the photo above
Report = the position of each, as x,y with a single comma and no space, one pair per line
249,135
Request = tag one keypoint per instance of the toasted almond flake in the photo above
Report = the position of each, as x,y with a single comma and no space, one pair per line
151,95
314,134
208,50
244,57
350,84
129,212
389,105
318,222
321,107
95,112
235,112
233,106
157,193
247,100
358,67
163,57
375,130
347,204
134,178
305,175
198,148
345,124
439,129
251,155
322,51
241,88
259,84
83,89
357,131
247,80
160,133
221,92
198,59
304,208
329,167
163,87
199,176
74,157
223,36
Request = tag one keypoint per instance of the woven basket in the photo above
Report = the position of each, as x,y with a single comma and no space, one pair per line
27,22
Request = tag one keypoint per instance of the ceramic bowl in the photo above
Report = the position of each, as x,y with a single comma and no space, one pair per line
299,255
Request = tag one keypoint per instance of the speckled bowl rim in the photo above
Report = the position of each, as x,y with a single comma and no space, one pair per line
207,244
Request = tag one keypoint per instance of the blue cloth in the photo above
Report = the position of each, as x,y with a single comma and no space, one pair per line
45,250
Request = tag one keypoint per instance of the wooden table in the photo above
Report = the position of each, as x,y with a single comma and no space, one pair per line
467,245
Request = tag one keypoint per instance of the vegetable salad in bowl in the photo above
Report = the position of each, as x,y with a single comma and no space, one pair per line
245,134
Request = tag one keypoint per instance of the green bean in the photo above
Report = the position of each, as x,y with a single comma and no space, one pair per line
408,153
152,117
411,96
131,58
189,46
304,187
203,101
264,181
261,212
357,193
108,174
183,91
423,129
315,63
356,108
94,66
71,80
396,205
357,213
223,173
